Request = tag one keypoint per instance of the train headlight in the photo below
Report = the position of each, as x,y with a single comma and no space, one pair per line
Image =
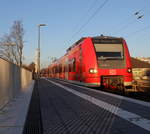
129,70
93,71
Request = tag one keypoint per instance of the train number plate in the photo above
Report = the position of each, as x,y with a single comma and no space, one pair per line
112,72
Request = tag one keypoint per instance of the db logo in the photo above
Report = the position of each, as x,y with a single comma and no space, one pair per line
112,72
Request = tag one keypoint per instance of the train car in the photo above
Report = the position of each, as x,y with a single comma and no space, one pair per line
44,72
96,61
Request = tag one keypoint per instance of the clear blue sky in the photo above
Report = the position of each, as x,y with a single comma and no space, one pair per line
65,17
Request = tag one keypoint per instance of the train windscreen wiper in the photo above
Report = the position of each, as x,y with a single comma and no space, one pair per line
110,58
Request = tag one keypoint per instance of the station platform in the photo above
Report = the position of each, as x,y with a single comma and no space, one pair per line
13,114
58,107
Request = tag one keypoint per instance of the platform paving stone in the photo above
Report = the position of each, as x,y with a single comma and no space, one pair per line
65,113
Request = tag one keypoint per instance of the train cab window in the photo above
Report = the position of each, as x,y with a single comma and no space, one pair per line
108,54
109,51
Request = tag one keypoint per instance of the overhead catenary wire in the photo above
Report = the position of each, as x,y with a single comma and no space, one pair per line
142,29
85,14
125,26
123,22
138,31
90,18
138,15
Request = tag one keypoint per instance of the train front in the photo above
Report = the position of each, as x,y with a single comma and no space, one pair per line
113,61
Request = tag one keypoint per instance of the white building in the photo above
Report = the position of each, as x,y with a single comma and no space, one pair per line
146,59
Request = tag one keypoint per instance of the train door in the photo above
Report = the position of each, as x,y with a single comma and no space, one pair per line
66,69
80,64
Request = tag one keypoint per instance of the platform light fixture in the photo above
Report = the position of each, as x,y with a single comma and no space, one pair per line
38,62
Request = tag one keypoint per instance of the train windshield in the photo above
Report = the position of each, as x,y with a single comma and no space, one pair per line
109,51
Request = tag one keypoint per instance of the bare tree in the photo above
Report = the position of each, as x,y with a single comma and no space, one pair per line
17,33
11,45
7,48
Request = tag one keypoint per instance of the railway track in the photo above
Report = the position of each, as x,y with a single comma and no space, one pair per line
140,95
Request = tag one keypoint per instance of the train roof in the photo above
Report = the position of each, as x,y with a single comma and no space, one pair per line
76,43
106,37
97,38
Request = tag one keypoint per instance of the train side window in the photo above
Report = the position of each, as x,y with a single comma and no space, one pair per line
55,70
63,69
70,70
74,65
148,73
60,68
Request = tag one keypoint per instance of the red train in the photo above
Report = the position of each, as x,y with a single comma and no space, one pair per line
95,61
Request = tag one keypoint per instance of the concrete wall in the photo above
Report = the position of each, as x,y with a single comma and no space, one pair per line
13,79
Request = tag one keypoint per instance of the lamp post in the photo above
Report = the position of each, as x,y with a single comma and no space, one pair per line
38,62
